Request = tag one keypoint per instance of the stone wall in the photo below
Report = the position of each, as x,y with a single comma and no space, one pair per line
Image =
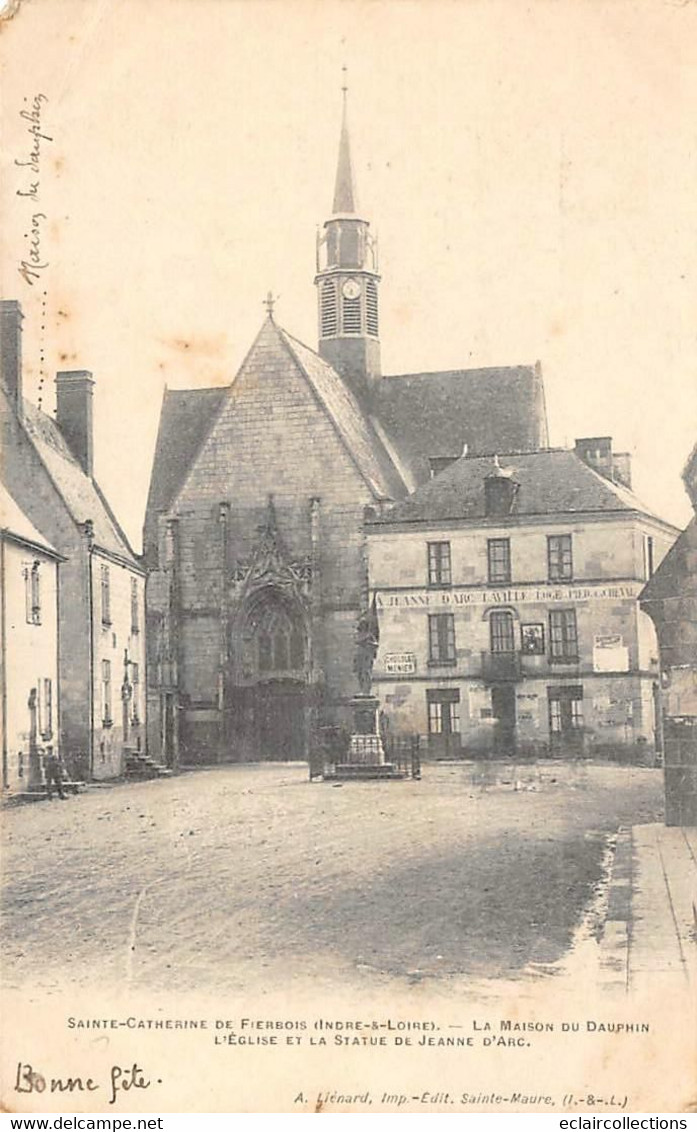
272,439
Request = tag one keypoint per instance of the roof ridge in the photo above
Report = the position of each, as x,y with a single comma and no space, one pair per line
461,369
38,434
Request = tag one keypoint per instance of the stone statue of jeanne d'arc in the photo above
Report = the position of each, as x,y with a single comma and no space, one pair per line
367,640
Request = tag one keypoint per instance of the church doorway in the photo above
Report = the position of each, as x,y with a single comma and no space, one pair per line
271,696
279,720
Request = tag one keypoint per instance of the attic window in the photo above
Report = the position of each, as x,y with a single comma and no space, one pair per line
371,303
329,314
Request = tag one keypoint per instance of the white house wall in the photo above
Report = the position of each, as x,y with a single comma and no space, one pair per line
31,657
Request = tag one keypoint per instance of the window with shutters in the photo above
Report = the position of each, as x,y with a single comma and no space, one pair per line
563,635
559,558
135,698
135,611
45,705
371,305
441,638
32,592
439,567
499,560
648,556
329,311
107,718
501,630
105,587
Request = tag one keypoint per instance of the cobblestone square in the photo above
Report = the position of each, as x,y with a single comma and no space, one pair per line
252,878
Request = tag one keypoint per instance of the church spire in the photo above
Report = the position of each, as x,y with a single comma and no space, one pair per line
345,199
347,279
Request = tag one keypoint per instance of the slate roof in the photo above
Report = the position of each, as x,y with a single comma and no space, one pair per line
410,418
676,577
188,415
551,482
15,523
82,496
185,419
352,422
490,410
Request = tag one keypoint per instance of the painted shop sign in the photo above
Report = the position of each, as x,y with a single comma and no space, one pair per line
436,599
400,663
610,654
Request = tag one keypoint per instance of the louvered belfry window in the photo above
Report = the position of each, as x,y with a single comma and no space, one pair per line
371,305
329,314
351,315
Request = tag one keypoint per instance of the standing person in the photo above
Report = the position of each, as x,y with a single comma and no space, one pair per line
54,774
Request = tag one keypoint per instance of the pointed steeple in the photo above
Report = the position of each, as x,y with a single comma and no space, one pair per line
347,279
345,198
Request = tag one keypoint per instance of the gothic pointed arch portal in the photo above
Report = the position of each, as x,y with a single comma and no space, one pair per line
270,676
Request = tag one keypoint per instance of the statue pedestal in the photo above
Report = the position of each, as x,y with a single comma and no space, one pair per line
366,744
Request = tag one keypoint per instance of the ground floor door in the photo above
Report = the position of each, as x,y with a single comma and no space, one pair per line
503,713
279,720
443,722
566,717
268,722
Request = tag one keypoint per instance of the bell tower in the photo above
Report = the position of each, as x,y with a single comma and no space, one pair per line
347,280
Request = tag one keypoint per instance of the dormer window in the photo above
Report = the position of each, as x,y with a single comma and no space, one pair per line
500,490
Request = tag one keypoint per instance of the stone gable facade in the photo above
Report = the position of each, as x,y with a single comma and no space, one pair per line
254,531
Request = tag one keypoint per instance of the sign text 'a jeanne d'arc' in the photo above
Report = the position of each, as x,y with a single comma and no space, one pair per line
436,599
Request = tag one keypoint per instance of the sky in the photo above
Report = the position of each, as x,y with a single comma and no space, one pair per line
529,169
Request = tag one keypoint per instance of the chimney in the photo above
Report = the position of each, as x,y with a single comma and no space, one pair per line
596,451
11,350
500,490
74,414
622,468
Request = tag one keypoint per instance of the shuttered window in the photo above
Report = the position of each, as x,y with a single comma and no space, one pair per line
441,638
329,311
563,635
371,304
351,315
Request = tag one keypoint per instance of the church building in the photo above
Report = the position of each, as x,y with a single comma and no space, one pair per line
254,539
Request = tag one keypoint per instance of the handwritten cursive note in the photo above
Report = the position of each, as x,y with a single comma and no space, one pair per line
32,262
121,1080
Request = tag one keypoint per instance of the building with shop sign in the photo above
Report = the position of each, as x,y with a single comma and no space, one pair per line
254,537
507,591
